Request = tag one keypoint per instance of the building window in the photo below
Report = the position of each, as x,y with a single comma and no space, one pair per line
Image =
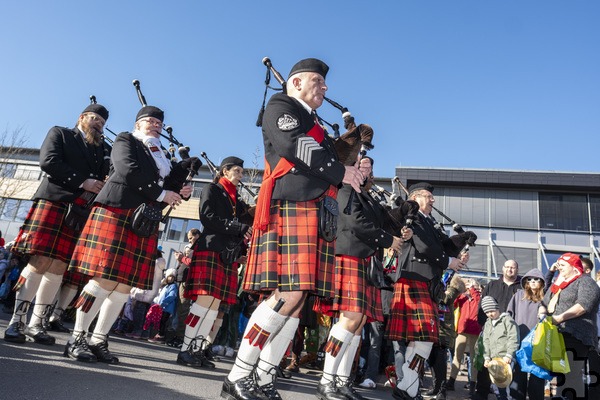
7,170
27,173
9,209
175,229
595,211
566,212
23,210
197,189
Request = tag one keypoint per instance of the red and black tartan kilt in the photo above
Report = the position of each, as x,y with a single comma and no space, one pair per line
413,315
352,293
43,233
208,275
108,249
71,277
289,255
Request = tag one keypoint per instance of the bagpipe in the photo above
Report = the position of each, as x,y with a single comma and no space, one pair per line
182,171
355,142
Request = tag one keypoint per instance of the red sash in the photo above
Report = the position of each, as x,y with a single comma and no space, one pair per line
261,216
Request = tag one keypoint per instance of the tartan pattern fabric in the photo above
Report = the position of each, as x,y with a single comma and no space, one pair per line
85,301
43,232
352,293
413,316
75,278
333,346
208,275
257,336
289,255
108,249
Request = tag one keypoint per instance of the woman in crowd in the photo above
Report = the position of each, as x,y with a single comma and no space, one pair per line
523,307
572,304
110,250
212,276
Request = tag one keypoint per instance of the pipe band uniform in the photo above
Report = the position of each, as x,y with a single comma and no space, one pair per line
108,250
75,168
212,279
356,299
417,292
301,168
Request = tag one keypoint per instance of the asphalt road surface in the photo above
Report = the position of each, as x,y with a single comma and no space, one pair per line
146,371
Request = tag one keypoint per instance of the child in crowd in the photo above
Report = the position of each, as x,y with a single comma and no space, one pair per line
500,336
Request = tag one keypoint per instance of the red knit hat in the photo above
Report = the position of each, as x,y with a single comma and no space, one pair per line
573,260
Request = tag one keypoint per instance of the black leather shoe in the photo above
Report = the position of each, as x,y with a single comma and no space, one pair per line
270,392
14,333
210,356
328,391
39,335
188,358
206,363
283,373
102,353
400,394
79,350
349,392
57,326
242,389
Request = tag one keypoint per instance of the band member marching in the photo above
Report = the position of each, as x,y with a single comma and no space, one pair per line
108,250
360,235
212,278
75,166
287,257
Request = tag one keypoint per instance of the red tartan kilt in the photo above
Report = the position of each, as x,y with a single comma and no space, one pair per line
413,315
43,233
108,249
289,255
75,278
208,275
352,293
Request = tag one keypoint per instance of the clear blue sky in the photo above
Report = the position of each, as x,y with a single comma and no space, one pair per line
460,84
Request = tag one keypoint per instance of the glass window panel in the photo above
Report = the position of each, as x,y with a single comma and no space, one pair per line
7,170
526,258
27,172
175,229
23,209
595,211
567,212
191,224
9,210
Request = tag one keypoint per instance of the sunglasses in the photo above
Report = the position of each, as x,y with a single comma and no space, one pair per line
534,279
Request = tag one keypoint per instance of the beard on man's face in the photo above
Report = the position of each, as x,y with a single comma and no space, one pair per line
91,133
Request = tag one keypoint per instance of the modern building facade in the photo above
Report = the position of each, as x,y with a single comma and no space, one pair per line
529,216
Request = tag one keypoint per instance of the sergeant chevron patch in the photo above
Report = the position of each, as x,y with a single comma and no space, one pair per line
305,148
287,122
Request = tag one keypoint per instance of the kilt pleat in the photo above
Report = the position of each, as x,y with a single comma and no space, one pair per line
289,255
208,275
352,293
43,233
413,316
108,249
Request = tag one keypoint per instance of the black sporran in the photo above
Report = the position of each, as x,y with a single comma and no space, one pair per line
437,289
328,213
145,220
76,216
232,252
375,274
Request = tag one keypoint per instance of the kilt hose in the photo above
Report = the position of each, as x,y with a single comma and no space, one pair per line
289,255
43,233
108,249
208,275
413,315
352,293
